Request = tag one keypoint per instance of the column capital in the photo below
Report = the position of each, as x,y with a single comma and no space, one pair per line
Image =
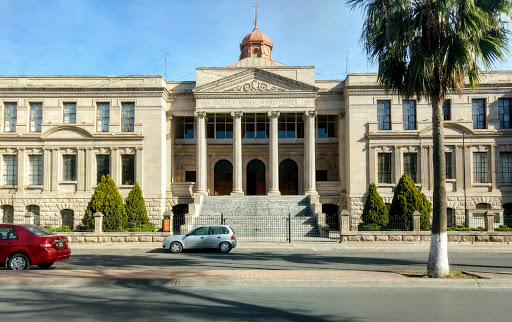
237,114
21,149
310,113
273,113
200,115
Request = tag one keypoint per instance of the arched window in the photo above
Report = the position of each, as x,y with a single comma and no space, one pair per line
67,218
35,210
7,214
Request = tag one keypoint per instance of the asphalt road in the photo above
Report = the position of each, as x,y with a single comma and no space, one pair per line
135,302
368,260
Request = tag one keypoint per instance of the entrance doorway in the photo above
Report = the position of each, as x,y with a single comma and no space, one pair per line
223,175
288,177
178,219
256,178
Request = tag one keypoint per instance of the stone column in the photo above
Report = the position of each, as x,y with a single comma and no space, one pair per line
29,218
201,153
55,170
459,169
21,170
116,165
90,173
98,222
274,154
237,155
47,169
397,164
416,221
139,166
489,221
493,159
81,172
309,153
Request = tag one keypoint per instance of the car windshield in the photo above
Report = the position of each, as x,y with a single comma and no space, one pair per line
38,231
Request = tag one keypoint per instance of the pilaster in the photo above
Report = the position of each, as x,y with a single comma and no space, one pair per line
237,154
201,160
309,153
274,154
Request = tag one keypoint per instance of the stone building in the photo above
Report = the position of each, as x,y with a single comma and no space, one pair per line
255,127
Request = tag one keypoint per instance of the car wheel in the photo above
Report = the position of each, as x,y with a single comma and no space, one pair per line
18,262
176,247
45,266
225,247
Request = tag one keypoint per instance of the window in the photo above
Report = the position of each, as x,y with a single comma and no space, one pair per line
190,176
184,127
480,167
67,218
254,126
504,111
383,115
479,114
102,166
447,110
220,126
35,210
449,168
384,165
69,113
411,165
10,170
69,167
450,217
36,117
128,169
128,117
326,126
290,125
103,117
409,115
506,167
35,170
321,175
11,112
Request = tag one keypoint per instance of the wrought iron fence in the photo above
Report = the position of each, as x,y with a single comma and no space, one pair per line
475,221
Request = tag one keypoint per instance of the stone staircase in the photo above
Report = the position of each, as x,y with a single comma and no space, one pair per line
261,216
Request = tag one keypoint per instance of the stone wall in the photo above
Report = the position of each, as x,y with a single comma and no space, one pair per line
424,236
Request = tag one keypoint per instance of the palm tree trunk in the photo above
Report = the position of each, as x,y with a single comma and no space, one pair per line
438,265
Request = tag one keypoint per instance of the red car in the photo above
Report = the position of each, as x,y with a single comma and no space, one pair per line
25,245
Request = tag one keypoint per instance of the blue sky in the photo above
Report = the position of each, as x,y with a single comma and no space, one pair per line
111,37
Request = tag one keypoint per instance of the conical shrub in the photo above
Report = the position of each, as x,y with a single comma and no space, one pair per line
375,212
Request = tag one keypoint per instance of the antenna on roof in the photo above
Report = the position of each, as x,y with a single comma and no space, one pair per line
346,65
256,15
165,59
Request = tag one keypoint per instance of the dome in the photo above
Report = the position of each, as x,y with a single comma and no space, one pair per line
256,36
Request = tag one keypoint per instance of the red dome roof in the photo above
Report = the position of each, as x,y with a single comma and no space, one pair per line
256,36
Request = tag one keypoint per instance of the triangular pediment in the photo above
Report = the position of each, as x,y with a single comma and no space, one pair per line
255,81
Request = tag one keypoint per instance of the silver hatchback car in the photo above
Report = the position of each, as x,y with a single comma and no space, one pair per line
221,237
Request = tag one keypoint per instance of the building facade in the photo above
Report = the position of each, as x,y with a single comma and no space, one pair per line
255,127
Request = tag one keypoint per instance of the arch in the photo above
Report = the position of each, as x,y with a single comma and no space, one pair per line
178,218
73,133
223,178
331,212
483,205
256,177
7,214
427,131
35,209
288,177
67,218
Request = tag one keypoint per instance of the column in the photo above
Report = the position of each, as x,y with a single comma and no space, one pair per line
90,173
397,164
21,169
309,153
55,170
116,165
494,166
169,155
47,169
81,173
139,166
459,169
201,153
274,155
237,154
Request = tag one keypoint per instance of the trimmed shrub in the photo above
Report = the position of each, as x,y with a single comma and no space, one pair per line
408,199
107,200
375,211
503,228
135,207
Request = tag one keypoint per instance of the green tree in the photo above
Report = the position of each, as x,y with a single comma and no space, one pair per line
135,206
375,211
428,48
107,200
408,199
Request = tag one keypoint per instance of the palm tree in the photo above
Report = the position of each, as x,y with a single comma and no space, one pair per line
429,48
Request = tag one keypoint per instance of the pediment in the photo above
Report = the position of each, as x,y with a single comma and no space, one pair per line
67,133
254,81
450,129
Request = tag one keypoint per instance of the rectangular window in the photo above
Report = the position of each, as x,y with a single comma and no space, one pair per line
102,166
103,117
69,167
409,114
190,176
69,113
10,170
184,127
384,164
11,112
36,117
290,125
504,105
480,167
255,126
326,126
128,169
384,115
448,159
128,117
479,114
321,175
220,126
411,165
447,110
35,170
506,167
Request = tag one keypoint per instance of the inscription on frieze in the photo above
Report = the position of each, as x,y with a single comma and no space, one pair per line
254,86
257,102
